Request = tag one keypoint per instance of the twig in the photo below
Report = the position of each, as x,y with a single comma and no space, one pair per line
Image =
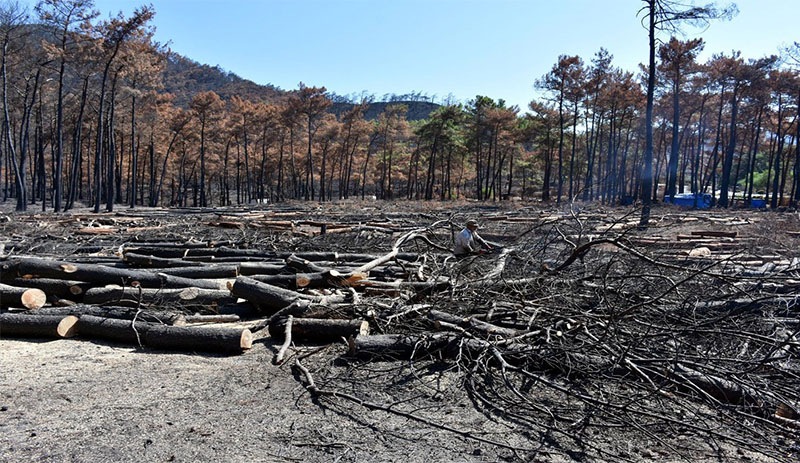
287,341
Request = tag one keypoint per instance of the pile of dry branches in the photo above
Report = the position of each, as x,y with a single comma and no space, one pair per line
579,322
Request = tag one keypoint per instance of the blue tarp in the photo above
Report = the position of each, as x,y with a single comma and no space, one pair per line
688,200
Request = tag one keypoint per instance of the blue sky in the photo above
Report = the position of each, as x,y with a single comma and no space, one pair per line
463,48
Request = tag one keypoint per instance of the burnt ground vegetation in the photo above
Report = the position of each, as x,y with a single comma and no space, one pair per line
581,338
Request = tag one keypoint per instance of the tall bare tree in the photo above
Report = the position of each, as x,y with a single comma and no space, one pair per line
62,18
112,35
206,106
666,15
13,17
565,81
311,102
677,58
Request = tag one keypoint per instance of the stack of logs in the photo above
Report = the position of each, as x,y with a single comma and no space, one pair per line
196,296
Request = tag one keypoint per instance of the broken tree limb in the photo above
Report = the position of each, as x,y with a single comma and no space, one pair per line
207,339
378,261
37,326
473,324
722,389
287,341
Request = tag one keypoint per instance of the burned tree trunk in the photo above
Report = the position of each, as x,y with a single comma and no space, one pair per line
37,326
206,339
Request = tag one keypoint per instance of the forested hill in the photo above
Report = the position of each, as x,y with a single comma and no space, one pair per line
184,78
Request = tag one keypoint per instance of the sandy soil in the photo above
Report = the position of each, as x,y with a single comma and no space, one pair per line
83,401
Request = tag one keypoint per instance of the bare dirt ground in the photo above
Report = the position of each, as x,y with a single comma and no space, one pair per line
78,400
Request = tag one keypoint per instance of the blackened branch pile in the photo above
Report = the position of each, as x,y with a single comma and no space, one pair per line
578,321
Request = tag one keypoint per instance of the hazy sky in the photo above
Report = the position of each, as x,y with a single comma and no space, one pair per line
496,48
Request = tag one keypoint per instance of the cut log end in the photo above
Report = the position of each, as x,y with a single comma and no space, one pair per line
33,298
364,329
68,327
69,268
189,293
246,340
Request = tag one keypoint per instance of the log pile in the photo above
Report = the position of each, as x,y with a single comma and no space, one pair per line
689,324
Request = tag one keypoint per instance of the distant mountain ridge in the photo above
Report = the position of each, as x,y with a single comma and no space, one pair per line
417,110
185,78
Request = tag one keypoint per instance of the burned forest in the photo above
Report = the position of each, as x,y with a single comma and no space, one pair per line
580,338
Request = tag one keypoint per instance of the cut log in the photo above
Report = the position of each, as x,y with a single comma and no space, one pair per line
29,298
218,318
269,297
183,298
112,329
206,339
99,274
146,261
367,258
261,268
37,326
715,233
303,265
122,313
206,271
325,279
320,329
61,289
206,252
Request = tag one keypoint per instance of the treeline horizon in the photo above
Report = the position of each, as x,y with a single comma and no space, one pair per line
86,121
